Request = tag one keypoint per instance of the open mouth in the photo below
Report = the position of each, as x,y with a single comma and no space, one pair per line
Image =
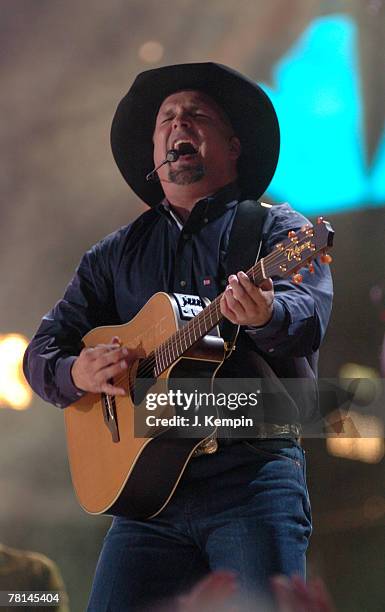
185,147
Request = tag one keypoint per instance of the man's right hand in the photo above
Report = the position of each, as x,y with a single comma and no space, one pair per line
96,366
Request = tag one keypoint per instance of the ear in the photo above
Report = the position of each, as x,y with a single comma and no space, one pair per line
235,147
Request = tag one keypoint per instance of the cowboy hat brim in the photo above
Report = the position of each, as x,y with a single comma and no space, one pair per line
249,109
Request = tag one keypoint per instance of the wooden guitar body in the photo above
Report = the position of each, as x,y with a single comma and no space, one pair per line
113,471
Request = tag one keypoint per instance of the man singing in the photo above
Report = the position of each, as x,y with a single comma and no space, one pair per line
245,507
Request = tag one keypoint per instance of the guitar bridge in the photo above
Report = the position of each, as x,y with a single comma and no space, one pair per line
109,415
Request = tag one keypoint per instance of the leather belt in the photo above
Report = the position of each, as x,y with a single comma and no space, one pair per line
262,431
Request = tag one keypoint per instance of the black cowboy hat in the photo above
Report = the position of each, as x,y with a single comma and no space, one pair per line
249,109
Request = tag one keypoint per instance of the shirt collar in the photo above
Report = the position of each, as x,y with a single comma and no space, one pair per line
207,209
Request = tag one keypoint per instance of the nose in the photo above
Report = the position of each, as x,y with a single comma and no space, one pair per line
181,119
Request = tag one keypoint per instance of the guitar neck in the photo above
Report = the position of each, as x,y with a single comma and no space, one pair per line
180,342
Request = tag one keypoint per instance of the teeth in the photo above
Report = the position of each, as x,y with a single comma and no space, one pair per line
185,147
177,144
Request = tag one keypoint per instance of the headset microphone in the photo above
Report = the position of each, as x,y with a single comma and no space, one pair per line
171,156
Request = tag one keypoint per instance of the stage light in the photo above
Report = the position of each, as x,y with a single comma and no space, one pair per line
14,390
319,100
151,52
357,370
368,450
360,438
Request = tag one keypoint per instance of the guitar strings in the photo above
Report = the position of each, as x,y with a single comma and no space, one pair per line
149,363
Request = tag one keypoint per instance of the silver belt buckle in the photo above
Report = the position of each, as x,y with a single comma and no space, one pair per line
206,447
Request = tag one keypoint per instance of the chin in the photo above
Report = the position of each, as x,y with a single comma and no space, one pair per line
186,175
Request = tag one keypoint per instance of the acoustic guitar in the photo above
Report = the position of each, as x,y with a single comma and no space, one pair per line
116,471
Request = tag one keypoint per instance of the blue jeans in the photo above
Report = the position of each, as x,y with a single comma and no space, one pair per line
245,509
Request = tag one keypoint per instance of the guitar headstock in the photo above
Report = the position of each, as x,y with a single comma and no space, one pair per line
299,249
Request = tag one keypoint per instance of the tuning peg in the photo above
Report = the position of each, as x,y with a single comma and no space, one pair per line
326,258
320,220
311,268
292,234
297,278
305,227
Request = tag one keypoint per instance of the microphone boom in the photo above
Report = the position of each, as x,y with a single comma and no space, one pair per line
171,156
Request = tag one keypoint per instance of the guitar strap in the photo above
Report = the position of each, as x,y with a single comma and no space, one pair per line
244,249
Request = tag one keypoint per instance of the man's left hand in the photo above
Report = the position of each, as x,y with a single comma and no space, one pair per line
245,304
